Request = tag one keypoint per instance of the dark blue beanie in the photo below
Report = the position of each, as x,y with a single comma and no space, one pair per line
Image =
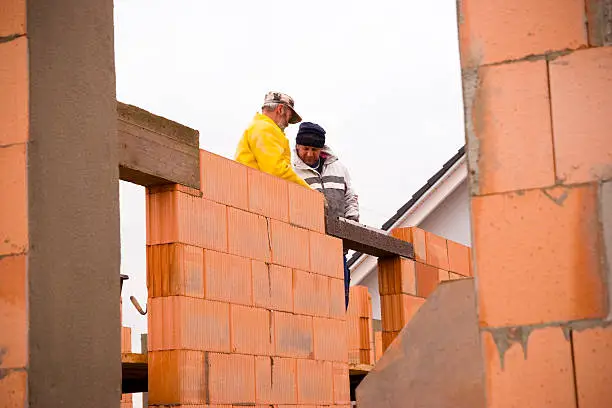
310,134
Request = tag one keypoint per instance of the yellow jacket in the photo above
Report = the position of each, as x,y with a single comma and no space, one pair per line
265,147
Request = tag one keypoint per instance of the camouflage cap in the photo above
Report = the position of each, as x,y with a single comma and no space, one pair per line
277,97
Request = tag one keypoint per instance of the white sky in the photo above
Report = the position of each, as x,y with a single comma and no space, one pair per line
382,78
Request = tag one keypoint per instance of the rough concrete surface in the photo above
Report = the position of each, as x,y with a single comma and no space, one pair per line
73,193
436,360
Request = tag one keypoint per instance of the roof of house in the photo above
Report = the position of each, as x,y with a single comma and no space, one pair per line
415,197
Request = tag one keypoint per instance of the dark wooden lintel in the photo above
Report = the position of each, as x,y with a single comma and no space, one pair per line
367,240
154,150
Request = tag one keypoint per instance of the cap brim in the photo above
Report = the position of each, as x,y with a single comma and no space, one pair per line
295,118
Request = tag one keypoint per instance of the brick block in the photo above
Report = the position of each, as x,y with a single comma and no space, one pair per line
437,253
396,275
268,195
426,279
14,83
163,188
13,312
397,310
175,216
387,339
581,93
353,335
314,382
154,324
275,380
13,18
290,245
272,286
359,302
337,305
538,374
558,276
248,235
176,377
592,349
306,208
13,211
416,237
175,269
231,379
293,335
251,330
458,258
330,342
359,338
227,278
326,255
342,388
310,293
223,180
378,346
126,339
514,146
494,31
14,389
443,275
179,322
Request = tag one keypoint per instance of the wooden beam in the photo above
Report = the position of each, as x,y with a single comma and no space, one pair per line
367,240
154,150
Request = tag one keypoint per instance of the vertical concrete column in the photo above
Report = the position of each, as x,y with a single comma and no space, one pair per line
537,84
59,218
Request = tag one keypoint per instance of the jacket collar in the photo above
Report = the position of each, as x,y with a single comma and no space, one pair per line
261,116
327,154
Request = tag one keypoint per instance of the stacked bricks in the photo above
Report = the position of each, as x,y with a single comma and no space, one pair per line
126,347
537,94
404,284
359,322
378,346
246,295
14,234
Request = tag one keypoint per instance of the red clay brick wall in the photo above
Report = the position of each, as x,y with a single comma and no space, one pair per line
246,299
359,323
14,235
405,284
538,96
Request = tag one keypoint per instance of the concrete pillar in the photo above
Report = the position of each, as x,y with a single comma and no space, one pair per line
59,216
537,93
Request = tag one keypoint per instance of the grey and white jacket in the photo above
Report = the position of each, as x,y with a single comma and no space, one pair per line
334,183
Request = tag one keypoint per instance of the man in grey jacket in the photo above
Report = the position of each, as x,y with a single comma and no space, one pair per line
320,168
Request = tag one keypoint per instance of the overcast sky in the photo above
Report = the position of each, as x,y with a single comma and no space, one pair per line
381,77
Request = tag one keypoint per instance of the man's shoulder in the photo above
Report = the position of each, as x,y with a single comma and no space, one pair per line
338,165
260,124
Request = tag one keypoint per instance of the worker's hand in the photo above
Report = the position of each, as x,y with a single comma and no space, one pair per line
325,202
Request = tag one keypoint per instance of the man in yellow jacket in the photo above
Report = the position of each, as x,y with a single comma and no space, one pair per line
264,146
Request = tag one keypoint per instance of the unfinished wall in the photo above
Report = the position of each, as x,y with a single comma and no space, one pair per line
537,82
59,214
359,325
246,298
405,284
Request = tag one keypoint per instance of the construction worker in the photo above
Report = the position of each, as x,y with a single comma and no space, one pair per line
320,168
263,145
